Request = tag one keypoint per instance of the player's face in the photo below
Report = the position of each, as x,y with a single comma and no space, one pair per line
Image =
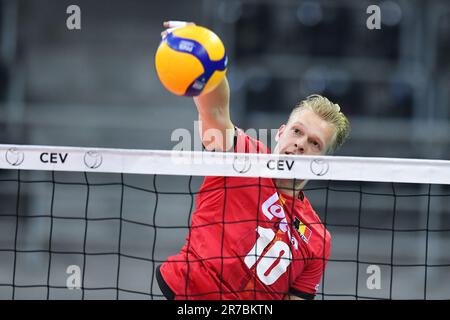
306,133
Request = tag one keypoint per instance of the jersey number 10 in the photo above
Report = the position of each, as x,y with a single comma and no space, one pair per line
279,253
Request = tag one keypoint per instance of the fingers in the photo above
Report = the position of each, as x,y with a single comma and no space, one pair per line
172,25
176,24
167,31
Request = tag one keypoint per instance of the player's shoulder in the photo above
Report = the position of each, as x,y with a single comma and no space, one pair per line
244,143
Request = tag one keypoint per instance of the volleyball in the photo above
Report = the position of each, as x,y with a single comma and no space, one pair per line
191,61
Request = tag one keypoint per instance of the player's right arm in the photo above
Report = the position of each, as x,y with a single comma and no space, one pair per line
216,128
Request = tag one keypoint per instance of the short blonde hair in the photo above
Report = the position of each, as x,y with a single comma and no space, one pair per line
330,112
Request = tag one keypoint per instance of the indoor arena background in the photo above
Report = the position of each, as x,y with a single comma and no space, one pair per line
97,87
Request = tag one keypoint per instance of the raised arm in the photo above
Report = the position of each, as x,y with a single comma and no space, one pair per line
216,128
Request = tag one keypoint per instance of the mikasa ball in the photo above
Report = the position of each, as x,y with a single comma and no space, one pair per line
191,61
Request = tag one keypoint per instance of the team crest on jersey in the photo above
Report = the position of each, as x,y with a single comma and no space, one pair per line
303,230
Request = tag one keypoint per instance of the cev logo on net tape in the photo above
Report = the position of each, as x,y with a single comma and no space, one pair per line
319,167
242,164
93,159
14,157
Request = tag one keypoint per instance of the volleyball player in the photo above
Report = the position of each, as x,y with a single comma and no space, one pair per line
255,238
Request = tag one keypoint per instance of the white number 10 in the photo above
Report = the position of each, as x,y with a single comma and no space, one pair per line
279,251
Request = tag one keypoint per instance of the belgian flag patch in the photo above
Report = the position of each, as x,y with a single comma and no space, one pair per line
303,230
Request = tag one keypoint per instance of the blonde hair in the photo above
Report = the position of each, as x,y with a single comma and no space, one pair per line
330,112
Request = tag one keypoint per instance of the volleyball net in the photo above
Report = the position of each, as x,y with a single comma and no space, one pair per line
83,223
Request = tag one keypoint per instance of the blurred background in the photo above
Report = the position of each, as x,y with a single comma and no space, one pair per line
97,87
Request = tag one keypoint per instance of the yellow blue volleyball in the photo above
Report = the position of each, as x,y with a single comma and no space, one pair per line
191,61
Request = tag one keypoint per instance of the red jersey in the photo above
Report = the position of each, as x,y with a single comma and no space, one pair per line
248,240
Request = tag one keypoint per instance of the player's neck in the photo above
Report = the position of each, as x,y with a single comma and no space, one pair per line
287,187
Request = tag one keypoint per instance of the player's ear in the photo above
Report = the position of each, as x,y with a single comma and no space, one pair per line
280,132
